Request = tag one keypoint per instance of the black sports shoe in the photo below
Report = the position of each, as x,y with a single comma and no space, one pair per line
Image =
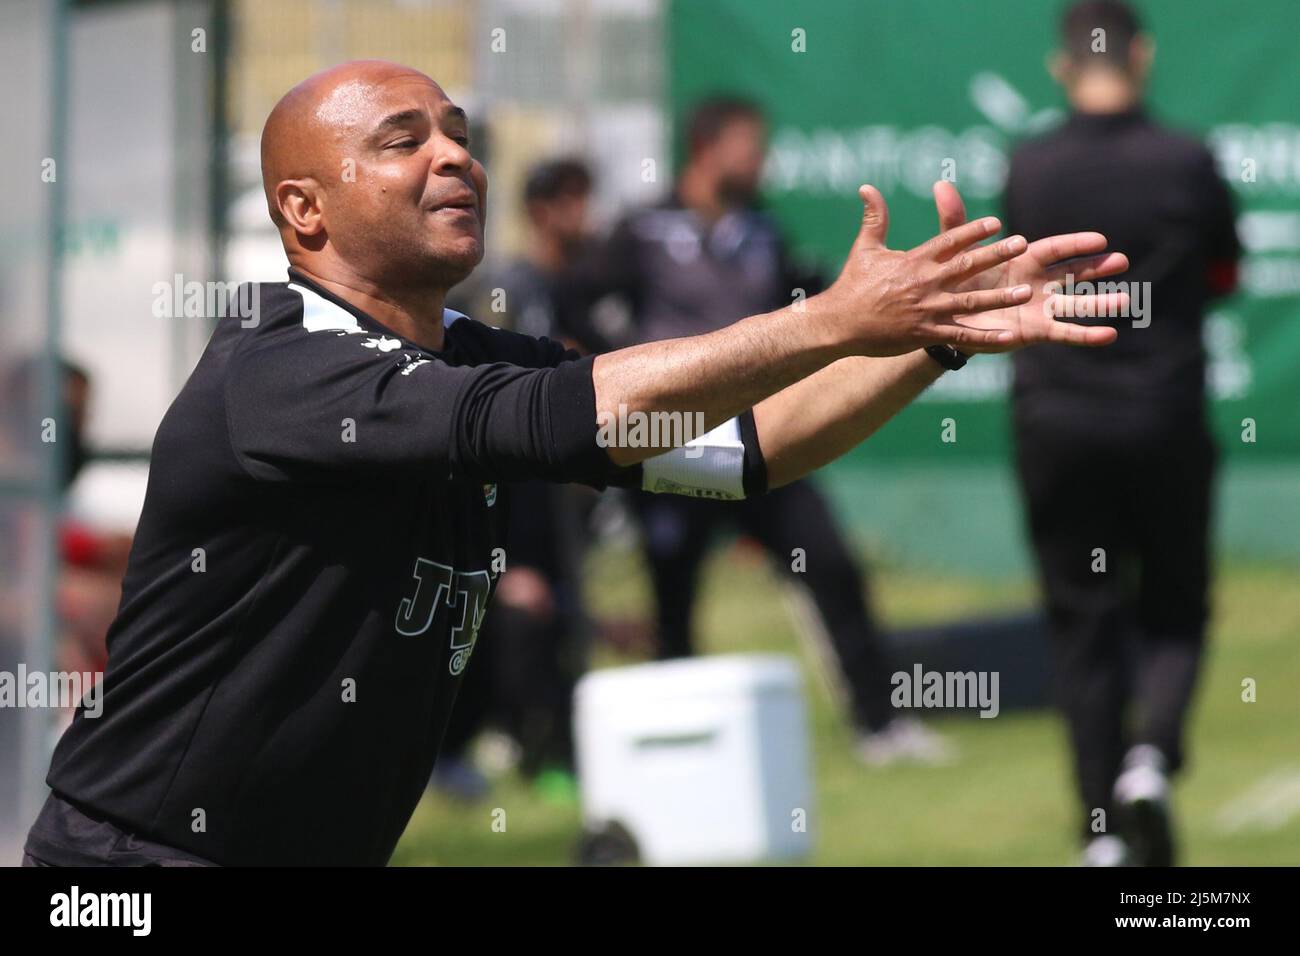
1142,801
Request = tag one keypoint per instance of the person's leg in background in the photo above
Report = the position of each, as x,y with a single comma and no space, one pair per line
539,630
520,681
1072,491
676,532
796,516
532,686
1173,489
454,774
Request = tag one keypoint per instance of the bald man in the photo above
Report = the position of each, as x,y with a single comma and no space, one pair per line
323,522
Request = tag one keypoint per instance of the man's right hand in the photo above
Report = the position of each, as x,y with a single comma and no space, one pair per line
1046,265
887,302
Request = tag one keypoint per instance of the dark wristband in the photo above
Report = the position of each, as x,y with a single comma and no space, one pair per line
947,356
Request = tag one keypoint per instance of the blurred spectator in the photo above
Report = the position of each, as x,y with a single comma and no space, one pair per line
701,259
557,196
1120,434
24,416
92,559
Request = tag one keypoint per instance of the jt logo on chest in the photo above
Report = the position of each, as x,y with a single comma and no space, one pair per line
453,602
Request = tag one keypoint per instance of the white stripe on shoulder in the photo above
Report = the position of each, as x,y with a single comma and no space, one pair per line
319,314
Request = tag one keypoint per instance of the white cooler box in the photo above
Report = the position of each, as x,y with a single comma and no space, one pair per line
702,760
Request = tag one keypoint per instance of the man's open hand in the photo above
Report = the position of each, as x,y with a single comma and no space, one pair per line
887,302
1042,263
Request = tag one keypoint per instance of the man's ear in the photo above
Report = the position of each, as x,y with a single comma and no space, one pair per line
1141,54
1058,66
299,202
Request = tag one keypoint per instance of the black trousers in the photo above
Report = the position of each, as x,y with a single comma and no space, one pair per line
1127,640
521,679
677,534
65,834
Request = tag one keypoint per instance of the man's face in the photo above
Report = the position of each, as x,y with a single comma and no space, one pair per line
564,217
737,155
406,198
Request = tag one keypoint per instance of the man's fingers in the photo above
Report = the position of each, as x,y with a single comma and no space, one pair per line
1077,306
976,260
1090,267
961,303
970,339
1067,246
947,244
1089,335
949,205
875,217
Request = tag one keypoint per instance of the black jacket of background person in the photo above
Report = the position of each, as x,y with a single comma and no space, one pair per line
279,696
682,276
1156,195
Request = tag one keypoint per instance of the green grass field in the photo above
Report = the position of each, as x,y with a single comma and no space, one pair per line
1008,800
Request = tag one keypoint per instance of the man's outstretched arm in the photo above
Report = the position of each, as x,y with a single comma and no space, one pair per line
885,302
852,340
817,420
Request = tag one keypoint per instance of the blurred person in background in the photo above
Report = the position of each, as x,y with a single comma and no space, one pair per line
92,559
556,201
695,262
1123,437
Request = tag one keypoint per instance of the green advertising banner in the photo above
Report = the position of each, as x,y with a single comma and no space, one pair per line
899,92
